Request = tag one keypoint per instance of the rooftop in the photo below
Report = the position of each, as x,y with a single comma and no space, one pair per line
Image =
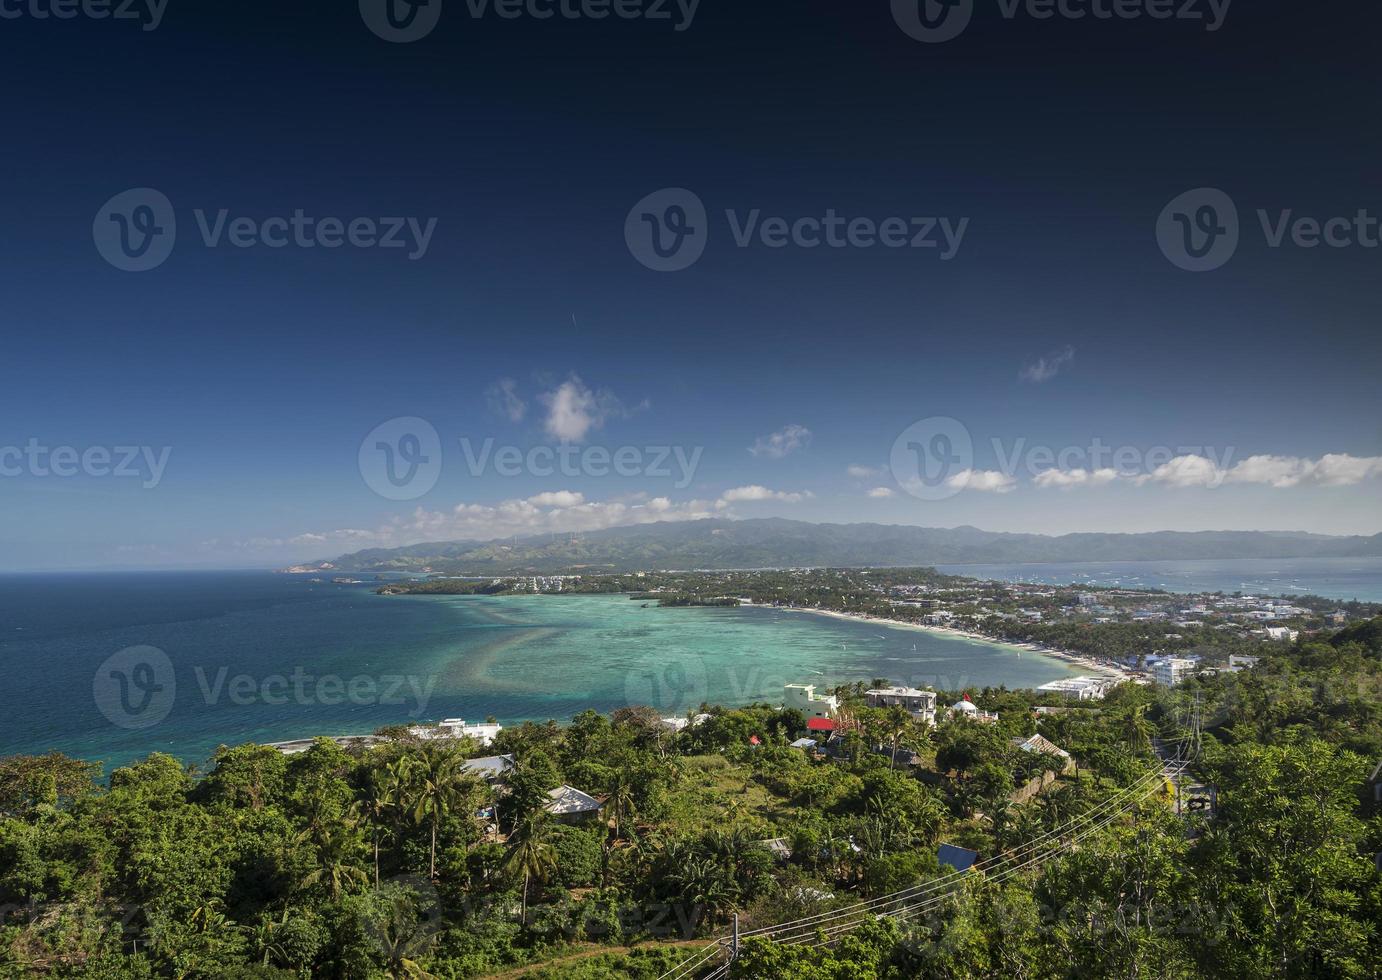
901,692
490,766
568,799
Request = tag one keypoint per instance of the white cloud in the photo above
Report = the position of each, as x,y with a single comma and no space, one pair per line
1343,470
558,498
1066,479
881,493
1185,471
984,481
1276,471
865,472
782,442
1043,369
552,511
503,400
1281,472
573,410
755,493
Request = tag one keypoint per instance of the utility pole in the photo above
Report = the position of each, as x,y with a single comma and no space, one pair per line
734,947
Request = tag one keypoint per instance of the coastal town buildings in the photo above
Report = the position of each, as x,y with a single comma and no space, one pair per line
803,697
1172,671
1081,688
921,704
680,724
966,708
458,728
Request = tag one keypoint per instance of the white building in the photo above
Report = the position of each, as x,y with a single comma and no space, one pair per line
457,728
1283,634
1080,688
921,704
1172,671
1237,662
804,698
968,709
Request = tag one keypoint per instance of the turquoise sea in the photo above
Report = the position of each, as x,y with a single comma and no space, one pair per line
1333,578
114,666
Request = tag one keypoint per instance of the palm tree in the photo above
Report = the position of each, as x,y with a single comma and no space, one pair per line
929,817
620,802
1028,826
853,745
899,724
705,886
1061,805
436,784
530,852
1004,816
381,796
1137,729
840,853
265,937
743,853
879,831
925,735
334,869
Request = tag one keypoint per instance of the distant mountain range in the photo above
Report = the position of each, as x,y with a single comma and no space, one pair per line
776,543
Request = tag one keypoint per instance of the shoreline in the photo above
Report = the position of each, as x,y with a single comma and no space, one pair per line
1080,659
1121,674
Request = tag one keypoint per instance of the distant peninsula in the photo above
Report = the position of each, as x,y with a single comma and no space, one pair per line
717,544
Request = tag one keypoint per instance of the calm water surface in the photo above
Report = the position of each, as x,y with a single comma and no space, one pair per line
265,657
253,656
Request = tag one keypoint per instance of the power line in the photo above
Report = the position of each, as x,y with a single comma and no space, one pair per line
953,878
931,885
860,912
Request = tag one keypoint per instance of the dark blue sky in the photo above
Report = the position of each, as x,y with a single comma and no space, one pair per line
262,370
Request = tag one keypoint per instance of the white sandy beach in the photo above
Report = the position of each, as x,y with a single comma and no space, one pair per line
1089,664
